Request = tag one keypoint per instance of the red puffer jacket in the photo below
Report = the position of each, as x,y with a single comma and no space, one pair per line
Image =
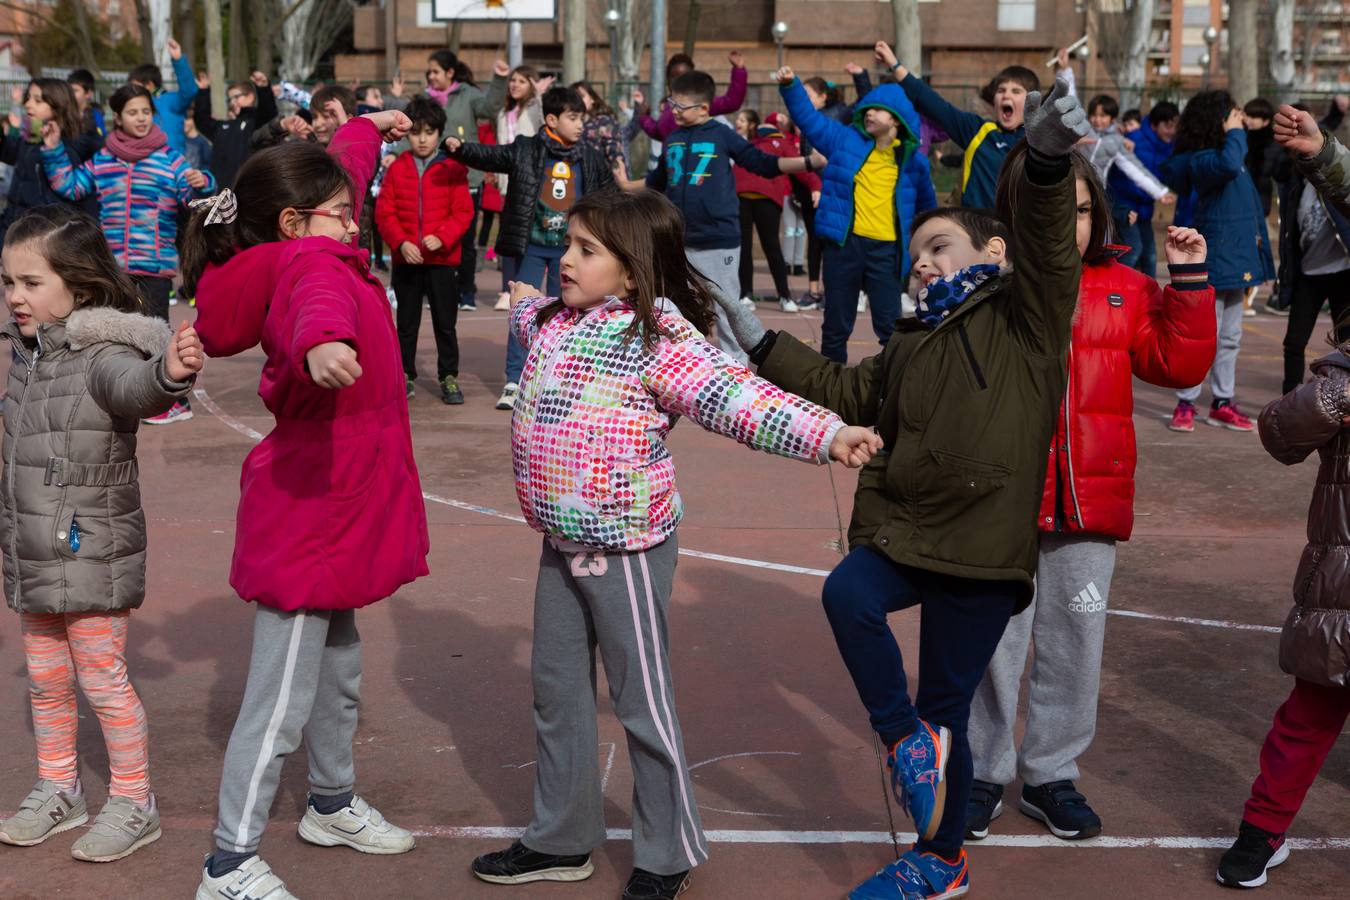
772,141
437,203
1125,326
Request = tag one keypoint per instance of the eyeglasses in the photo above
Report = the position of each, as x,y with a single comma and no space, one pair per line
681,107
344,213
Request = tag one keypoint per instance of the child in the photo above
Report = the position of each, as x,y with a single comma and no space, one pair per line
172,105
873,187
550,172
1313,417
1124,328
1210,148
985,142
251,106
602,130
331,106
682,64
695,172
198,152
277,264
762,207
1263,154
612,364
85,367
424,207
45,100
81,83
965,399
1131,121
1133,207
521,114
1111,152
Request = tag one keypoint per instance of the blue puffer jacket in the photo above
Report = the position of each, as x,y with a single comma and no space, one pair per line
171,106
847,148
1227,212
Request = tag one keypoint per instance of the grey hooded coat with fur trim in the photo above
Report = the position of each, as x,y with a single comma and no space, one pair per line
76,397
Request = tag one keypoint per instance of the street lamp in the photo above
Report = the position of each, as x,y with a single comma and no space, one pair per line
1211,36
780,30
613,18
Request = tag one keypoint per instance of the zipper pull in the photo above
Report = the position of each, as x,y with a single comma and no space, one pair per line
74,536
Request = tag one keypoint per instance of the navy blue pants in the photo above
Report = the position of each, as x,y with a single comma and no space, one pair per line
540,266
960,625
1143,255
862,264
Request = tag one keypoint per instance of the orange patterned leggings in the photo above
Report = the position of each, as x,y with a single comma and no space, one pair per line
90,648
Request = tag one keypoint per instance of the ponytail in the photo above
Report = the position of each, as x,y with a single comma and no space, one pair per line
203,244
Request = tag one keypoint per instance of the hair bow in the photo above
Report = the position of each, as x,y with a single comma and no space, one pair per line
222,208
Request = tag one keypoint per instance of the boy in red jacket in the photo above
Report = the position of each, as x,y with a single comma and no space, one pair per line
423,210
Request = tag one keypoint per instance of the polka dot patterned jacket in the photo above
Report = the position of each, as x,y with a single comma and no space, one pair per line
588,436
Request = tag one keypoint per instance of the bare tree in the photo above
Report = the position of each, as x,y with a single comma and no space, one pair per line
263,11
237,64
80,34
215,57
1243,70
1282,69
1311,38
634,32
309,28
691,26
1122,38
186,27
908,34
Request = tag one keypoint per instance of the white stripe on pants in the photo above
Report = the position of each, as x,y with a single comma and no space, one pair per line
1228,306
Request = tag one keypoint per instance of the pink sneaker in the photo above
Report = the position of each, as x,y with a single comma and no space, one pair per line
179,412
1183,417
1228,416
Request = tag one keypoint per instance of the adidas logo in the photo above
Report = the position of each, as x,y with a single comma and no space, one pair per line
1088,600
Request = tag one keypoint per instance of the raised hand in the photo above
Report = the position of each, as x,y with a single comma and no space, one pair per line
500,68
203,81
1184,246
396,86
1053,127
411,252
853,68
521,290
785,75
51,135
334,109
1297,131
333,365
854,445
1234,120
184,356
175,49
639,100
431,242
297,126
452,145
884,54
1062,59
543,84
195,179
259,78
393,125
736,59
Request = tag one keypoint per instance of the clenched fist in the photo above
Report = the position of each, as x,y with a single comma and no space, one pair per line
333,365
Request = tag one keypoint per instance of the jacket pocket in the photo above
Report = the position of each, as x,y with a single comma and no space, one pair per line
968,475
79,537
969,352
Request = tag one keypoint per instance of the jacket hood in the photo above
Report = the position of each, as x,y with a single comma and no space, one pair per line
100,325
892,98
233,298
1336,359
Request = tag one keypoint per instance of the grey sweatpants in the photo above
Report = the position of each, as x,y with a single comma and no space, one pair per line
722,266
1228,306
617,602
1067,621
304,679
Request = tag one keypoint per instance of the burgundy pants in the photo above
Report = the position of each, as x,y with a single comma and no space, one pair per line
1305,729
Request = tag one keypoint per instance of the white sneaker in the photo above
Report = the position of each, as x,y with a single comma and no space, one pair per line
748,302
862,301
508,398
503,302
253,880
787,305
357,825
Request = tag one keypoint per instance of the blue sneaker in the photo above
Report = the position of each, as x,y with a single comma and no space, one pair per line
917,876
918,776
1063,810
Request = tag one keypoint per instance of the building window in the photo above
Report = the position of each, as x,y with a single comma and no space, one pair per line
1016,15
424,17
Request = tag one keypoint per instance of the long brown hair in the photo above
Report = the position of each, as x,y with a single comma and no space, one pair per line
299,174
74,246
1007,199
531,75
65,111
645,231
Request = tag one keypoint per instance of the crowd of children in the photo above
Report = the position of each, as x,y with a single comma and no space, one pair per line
996,479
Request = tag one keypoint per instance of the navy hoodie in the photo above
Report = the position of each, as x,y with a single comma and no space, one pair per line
695,173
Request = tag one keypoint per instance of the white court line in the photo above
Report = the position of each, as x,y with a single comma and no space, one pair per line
255,436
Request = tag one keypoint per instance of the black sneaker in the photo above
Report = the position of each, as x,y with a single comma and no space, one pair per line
1253,853
519,864
1063,810
450,392
798,271
986,805
644,885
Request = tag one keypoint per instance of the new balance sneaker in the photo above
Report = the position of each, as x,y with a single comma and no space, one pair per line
519,864
179,412
1063,810
253,880
451,395
410,387
644,885
1183,417
120,830
357,825
1255,852
787,305
986,805
47,810
918,776
917,876
508,398
1227,415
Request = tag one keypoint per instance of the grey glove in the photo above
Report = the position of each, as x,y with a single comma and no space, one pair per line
1055,126
745,325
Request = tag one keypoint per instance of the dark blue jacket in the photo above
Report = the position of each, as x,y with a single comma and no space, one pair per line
28,184
847,148
1227,211
964,127
1150,150
695,173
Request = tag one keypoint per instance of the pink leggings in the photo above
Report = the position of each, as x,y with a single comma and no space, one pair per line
90,648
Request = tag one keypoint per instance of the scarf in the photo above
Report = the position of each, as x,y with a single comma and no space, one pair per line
558,150
441,96
944,296
133,150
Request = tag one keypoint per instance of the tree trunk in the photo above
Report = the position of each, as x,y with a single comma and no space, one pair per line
456,35
160,14
147,35
215,57
84,38
574,41
263,11
691,27
238,64
186,30
908,34
1243,68
1132,73
1282,69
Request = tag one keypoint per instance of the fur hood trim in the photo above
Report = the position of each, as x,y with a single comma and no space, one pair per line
103,324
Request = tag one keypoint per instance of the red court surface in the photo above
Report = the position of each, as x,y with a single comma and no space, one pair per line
784,766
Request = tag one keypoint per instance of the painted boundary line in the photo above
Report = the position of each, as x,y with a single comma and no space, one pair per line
254,435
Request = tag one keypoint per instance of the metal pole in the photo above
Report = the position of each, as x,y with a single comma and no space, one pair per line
614,67
390,39
574,41
780,54
515,44
658,92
